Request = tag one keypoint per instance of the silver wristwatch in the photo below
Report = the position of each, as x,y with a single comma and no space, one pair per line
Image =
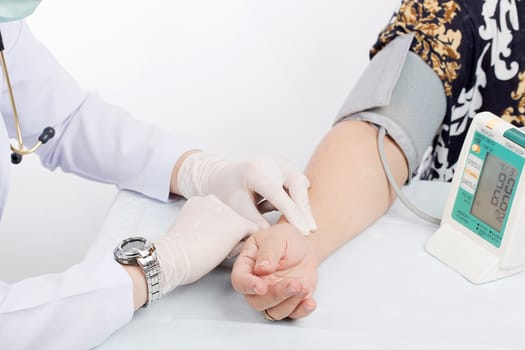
139,251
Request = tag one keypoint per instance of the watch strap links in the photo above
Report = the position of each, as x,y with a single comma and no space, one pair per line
151,267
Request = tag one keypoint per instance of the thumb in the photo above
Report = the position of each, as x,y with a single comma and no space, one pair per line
271,249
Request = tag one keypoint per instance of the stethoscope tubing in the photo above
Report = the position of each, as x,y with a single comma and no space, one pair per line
47,133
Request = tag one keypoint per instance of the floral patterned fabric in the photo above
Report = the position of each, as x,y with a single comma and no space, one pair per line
477,50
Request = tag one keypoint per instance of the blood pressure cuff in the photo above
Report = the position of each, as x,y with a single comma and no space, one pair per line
400,92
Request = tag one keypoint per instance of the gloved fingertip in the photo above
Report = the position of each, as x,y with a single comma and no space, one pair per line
309,217
263,224
256,224
303,227
254,227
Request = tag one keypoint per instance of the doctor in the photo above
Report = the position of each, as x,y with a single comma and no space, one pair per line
42,105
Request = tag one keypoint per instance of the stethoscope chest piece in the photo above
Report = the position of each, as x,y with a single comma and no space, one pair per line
47,133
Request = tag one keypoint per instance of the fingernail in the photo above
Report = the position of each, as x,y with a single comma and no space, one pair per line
263,263
263,223
309,307
291,290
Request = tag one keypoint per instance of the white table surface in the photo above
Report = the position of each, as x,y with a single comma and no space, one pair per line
380,291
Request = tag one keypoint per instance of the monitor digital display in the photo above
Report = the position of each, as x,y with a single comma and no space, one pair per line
492,198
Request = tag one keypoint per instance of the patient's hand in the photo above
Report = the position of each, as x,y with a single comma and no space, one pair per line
277,272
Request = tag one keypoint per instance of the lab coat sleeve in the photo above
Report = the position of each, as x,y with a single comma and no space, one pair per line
101,142
76,309
93,139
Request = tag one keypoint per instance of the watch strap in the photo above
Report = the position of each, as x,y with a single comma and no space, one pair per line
151,267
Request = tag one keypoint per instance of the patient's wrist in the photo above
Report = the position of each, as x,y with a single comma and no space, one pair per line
313,240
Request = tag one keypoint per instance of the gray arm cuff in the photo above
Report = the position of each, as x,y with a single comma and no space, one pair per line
400,92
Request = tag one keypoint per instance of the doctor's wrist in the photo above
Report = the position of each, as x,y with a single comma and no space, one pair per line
174,186
140,286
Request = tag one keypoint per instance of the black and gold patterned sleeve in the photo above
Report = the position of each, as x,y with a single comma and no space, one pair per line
441,33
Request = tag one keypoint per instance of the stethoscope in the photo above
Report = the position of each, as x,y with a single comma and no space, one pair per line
47,133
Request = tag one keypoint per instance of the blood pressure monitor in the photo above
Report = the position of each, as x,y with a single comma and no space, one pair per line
482,232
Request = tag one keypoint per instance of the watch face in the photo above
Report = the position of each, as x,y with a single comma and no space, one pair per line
129,250
133,247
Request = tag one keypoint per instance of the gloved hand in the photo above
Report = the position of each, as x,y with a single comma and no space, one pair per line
205,231
241,184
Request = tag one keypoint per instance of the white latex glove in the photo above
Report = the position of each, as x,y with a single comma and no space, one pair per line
239,184
205,231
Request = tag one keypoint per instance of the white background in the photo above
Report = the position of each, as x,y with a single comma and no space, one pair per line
237,77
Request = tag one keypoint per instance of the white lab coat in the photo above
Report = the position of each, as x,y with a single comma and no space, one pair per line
81,307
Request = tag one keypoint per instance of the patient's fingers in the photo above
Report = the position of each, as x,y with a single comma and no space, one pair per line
275,295
305,308
264,254
282,250
289,306
243,279
269,254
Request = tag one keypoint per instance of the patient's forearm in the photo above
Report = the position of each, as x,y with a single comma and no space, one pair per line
349,190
